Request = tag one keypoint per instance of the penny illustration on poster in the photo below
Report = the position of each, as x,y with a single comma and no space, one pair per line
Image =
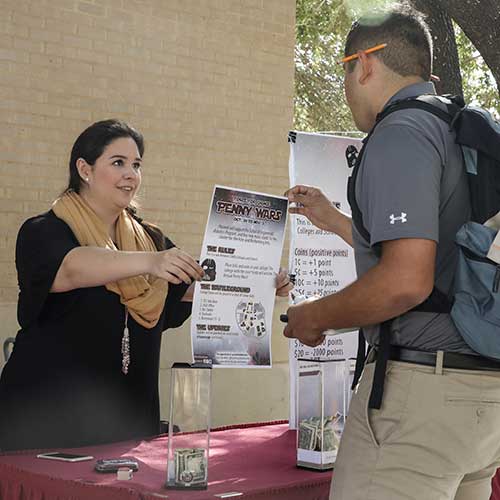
233,305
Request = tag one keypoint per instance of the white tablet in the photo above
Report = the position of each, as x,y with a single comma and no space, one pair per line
65,457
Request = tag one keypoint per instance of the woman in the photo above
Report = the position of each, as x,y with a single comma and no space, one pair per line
97,287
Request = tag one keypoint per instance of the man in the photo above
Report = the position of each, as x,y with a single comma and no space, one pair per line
436,435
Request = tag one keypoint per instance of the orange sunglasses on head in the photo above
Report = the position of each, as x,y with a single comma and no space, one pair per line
367,51
381,46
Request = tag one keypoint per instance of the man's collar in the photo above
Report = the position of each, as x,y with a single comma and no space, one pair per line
413,90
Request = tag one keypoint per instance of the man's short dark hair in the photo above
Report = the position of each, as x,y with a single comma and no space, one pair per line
404,30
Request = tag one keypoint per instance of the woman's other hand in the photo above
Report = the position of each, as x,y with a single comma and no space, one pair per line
283,283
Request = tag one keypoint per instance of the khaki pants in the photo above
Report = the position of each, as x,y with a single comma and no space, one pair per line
436,437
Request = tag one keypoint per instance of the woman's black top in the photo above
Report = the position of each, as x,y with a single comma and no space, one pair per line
63,385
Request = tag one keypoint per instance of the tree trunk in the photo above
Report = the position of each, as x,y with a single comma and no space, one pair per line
446,64
480,21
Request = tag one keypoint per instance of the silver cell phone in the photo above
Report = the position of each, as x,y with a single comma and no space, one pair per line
113,464
65,457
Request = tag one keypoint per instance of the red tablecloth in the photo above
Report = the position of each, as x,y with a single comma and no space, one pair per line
495,487
258,461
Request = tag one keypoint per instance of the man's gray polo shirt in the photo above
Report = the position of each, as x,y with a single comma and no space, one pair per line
412,184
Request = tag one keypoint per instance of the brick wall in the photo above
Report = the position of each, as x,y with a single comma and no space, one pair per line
208,82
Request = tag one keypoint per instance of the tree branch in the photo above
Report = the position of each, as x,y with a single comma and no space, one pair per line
480,21
446,63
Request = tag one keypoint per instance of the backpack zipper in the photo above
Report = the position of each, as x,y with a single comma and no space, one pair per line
472,256
496,281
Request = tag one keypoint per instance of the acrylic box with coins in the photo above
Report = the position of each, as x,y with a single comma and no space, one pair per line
323,396
189,426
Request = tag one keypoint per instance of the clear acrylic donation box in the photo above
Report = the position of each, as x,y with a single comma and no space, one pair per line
323,396
188,448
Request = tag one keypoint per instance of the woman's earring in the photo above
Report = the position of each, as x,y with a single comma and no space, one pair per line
86,179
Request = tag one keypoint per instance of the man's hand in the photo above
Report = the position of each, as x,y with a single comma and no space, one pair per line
301,321
314,205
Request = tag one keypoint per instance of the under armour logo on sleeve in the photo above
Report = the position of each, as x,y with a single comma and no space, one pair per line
401,218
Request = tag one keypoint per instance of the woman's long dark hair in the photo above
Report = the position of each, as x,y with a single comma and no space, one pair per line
90,145
92,142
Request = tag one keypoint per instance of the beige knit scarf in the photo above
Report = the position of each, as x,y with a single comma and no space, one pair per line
143,295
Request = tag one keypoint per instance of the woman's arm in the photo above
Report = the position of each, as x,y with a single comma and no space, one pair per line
85,267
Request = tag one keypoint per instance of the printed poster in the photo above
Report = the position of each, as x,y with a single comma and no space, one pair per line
321,261
233,305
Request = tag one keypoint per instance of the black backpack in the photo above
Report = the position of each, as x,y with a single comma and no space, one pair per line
478,134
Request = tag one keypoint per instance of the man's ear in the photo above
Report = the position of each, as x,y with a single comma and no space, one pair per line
366,67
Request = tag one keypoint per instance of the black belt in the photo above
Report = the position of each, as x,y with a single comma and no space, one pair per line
452,360
385,351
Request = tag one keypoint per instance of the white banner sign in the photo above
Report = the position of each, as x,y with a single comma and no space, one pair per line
321,261
233,305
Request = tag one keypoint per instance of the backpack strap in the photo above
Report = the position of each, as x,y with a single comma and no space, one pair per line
383,353
429,103
360,359
357,216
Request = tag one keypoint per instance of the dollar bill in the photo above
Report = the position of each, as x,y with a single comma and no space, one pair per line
307,436
321,434
330,440
190,467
